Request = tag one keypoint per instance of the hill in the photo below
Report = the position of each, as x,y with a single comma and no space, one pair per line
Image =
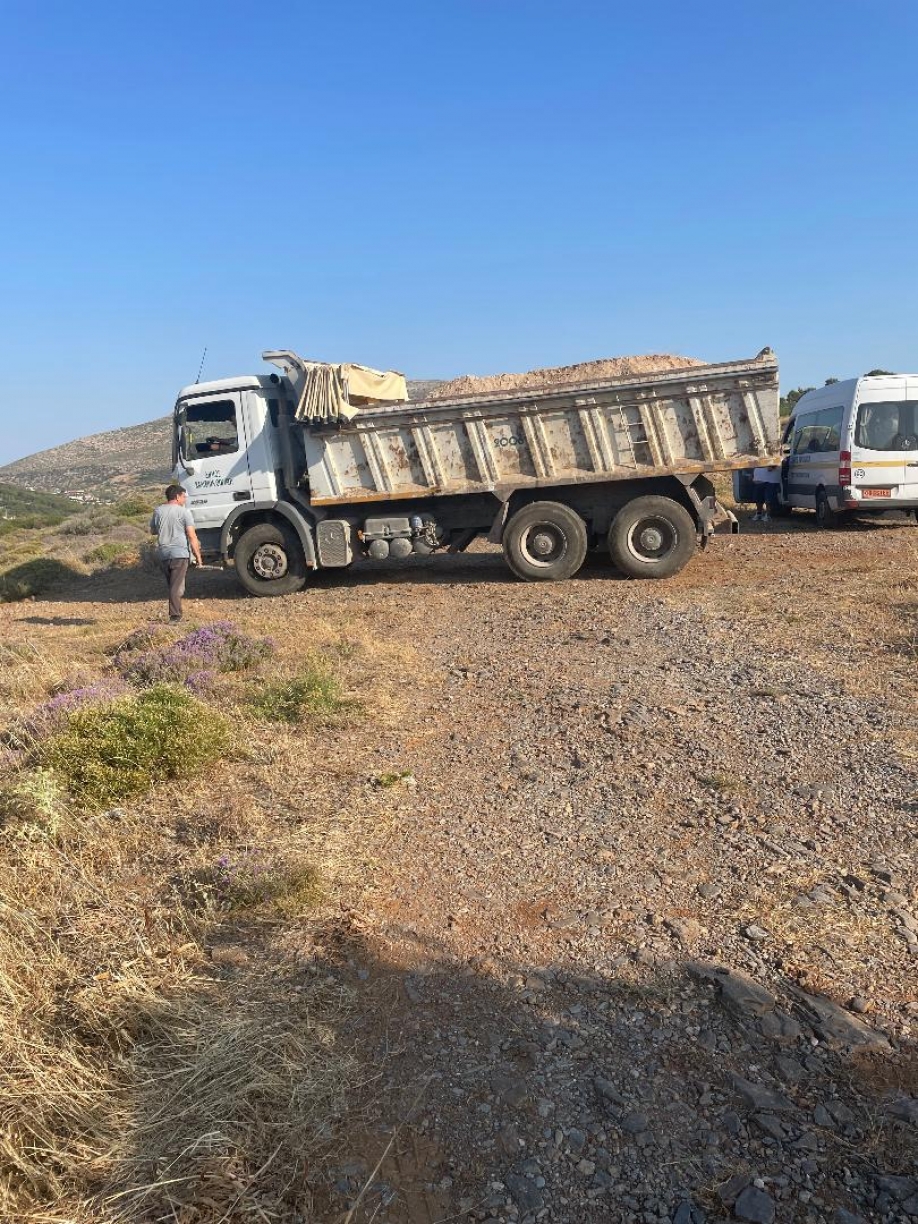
99,466
109,465
24,508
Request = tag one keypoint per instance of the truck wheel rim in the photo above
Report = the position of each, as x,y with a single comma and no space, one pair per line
269,562
543,544
651,539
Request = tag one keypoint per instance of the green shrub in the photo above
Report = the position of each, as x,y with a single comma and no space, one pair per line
133,507
110,553
110,753
314,693
33,578
253,878
30,805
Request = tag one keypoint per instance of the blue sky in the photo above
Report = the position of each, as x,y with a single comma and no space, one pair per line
445,187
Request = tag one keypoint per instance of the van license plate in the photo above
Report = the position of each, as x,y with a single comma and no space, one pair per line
876,492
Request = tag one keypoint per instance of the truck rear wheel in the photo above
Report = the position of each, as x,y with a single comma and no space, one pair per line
652,537
545,542
270,561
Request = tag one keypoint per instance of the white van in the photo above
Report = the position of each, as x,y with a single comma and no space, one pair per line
853,446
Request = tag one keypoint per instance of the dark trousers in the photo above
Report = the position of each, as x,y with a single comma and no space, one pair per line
174,571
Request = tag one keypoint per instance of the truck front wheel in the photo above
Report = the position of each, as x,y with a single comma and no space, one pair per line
652,537
270,561
545,542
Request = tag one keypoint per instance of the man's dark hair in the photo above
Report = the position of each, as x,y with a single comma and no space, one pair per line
174,491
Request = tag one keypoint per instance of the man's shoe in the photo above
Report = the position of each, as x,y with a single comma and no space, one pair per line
175,618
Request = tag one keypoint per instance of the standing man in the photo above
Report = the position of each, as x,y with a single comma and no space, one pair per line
765,484
177,542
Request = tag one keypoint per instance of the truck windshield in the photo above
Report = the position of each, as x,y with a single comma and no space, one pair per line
207,427
888,425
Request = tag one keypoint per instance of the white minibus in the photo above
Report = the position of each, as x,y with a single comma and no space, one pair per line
852,446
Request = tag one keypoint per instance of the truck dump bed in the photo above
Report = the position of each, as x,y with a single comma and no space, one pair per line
699,419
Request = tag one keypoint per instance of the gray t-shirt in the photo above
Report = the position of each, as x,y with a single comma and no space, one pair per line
168,525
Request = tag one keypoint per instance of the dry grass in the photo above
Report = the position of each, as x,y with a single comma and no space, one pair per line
167,1053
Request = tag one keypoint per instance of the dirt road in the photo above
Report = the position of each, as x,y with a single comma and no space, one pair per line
631,921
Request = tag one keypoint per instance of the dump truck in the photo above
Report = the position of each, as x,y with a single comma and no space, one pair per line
320,466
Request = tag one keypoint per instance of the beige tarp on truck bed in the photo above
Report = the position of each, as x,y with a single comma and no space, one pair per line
334,391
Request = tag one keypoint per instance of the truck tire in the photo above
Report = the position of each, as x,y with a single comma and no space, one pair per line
545,542
825,516
652,537
270,561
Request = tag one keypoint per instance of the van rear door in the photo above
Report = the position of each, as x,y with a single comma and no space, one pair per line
884,451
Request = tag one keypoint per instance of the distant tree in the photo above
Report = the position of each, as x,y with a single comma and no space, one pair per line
877,373
830,381
789,401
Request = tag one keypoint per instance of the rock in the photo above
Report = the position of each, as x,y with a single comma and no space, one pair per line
511,1089
898,1188
586,1167
780,1027
858,1004
686,930
758,1097
709,891
905,1109
634,1123
838,1027
688,1213
847,1217
732,1188
607,1091
822,1117
524,1192
756,933
770,1125
755,1205
737,989
789,1070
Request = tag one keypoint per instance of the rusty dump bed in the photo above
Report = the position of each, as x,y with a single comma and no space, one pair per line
698,419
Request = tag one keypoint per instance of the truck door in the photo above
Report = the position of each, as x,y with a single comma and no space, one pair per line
212,443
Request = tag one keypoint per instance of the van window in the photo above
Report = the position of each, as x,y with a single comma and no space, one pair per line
889,425
819,433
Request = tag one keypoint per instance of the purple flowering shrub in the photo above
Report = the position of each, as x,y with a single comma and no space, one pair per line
255,878
52,714
193,660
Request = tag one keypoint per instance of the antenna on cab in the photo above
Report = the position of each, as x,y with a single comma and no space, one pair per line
201,366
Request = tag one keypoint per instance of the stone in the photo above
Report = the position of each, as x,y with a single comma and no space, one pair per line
837,1027
859,1004
607,1091
822,1117
770,1125
586,1167
758,1097
634,1123
688,1213
756,933
780,1027
898,1188
732,1188
847,1217
737,989
686,930
524,1192
755,1205
905,1109
709,891
511,1089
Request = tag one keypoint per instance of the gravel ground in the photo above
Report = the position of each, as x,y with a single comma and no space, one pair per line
632,926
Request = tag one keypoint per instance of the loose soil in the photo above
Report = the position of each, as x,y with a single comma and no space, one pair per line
556,376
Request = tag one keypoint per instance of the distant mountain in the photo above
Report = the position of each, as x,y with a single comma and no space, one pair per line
110,464
101,464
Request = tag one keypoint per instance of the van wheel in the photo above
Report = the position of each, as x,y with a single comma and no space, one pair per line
652,537
270,561
545,542
825,515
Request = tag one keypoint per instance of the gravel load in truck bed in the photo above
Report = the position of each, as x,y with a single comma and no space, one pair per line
559,376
